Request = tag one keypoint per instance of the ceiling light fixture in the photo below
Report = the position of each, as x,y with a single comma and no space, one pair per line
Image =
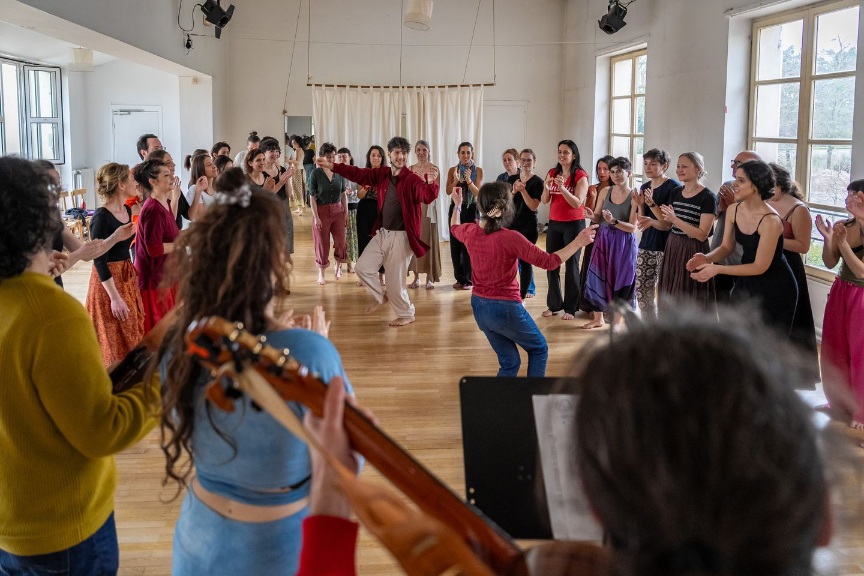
214,14
418,14
613,21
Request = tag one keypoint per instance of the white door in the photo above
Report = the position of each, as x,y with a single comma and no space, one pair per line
128,123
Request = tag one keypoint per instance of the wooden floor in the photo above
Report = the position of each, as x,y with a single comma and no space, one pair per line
408,376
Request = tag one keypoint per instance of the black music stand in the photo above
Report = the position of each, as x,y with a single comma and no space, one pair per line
503,475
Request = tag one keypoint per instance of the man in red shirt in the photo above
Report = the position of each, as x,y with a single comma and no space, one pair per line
397,228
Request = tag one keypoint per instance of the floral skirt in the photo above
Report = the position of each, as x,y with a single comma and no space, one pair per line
116,337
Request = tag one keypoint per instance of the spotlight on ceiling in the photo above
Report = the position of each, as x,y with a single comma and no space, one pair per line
214,14
613,21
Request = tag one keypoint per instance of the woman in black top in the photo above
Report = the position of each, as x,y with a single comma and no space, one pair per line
527,190
283,186
367,206
113,298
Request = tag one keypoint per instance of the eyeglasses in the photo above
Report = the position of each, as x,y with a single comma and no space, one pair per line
736,163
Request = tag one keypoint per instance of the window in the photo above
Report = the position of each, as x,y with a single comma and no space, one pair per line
31,111
802,101
627,109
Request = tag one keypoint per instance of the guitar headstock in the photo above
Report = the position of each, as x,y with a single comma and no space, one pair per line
214,341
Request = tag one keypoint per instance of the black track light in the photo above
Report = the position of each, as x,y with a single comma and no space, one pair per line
214,14
613,21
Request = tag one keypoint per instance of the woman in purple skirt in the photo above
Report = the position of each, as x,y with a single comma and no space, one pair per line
612,270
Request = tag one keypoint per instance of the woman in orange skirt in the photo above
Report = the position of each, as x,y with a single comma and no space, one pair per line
113,298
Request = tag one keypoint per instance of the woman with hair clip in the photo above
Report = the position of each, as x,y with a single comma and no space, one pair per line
252,143
566,188
157,230
788,201
199,195
430,263
689,214
496,300
468,178
842,330
612,271
367,206
113,298
601,171
251,477
764,275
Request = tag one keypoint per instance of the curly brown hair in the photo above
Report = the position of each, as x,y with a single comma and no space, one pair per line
231,263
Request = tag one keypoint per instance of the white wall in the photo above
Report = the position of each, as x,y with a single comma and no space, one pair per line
529,60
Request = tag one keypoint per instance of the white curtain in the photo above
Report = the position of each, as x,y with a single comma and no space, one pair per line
360,117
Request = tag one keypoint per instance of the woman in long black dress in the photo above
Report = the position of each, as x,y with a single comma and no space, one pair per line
764,275
797,227
367,206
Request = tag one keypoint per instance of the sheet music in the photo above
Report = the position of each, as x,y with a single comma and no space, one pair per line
570,516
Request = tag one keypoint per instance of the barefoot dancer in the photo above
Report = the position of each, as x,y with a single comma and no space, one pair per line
496,300
397,228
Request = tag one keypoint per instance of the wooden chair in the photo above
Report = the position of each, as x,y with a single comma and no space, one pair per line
78,201
74,224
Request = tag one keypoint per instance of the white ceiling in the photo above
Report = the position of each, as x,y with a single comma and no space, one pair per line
23,44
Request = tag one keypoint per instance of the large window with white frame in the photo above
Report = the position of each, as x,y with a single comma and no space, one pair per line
31,111
627,109
802,101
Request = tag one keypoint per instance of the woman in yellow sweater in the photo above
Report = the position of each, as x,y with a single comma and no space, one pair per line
59,422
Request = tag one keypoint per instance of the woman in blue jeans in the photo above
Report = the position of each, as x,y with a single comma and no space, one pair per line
247,498
495,252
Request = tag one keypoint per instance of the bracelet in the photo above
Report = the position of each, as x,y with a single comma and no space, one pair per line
615,223
652,205
457,209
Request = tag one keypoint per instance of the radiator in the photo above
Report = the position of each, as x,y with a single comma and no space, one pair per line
86,178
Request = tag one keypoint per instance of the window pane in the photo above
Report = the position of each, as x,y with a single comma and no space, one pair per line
837,41
621,146
784,154
43,136
636,159
42,94
12,127
829,174
640,115
641,73
780,51
622,78
833,105
777,110
621,116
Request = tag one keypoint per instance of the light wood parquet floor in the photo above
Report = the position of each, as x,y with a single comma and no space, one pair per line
408,376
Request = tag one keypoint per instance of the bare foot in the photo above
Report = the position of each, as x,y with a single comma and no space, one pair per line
375,305
547,313
359,283
415,283
402,321
529,295
856,425
350,268
593,324
567,316
321,280
430,285
337,271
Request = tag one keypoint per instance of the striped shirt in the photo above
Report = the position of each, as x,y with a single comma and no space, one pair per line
690,210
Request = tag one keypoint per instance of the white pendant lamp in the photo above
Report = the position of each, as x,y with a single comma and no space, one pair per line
81,60
418,14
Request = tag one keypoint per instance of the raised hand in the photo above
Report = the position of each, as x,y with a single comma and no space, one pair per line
320,324
648,195
607,215
825,227
270,184
727,197
696,262
638,197
839,232
456,195
323,162
59,263
668,213
589,213
643,222
202,184
855,206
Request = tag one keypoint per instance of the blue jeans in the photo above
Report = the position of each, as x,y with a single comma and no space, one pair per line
98,555
506,323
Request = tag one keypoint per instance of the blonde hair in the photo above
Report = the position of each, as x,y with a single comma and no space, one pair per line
699,161
512,151
109,177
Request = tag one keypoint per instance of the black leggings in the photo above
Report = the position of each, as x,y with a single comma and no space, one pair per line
458,252
558,236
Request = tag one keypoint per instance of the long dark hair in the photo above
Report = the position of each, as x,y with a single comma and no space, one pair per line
380,151
606,160
198,168
225,265
577,158
785,181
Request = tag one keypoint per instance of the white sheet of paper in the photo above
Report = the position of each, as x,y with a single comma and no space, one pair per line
569,513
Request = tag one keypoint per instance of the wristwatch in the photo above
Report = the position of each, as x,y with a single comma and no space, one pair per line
615,223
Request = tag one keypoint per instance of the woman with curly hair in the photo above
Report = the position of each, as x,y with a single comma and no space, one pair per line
496,300
113,299
60,425
764,275
251,476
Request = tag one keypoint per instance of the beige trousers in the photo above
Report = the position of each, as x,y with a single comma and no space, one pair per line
390,249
